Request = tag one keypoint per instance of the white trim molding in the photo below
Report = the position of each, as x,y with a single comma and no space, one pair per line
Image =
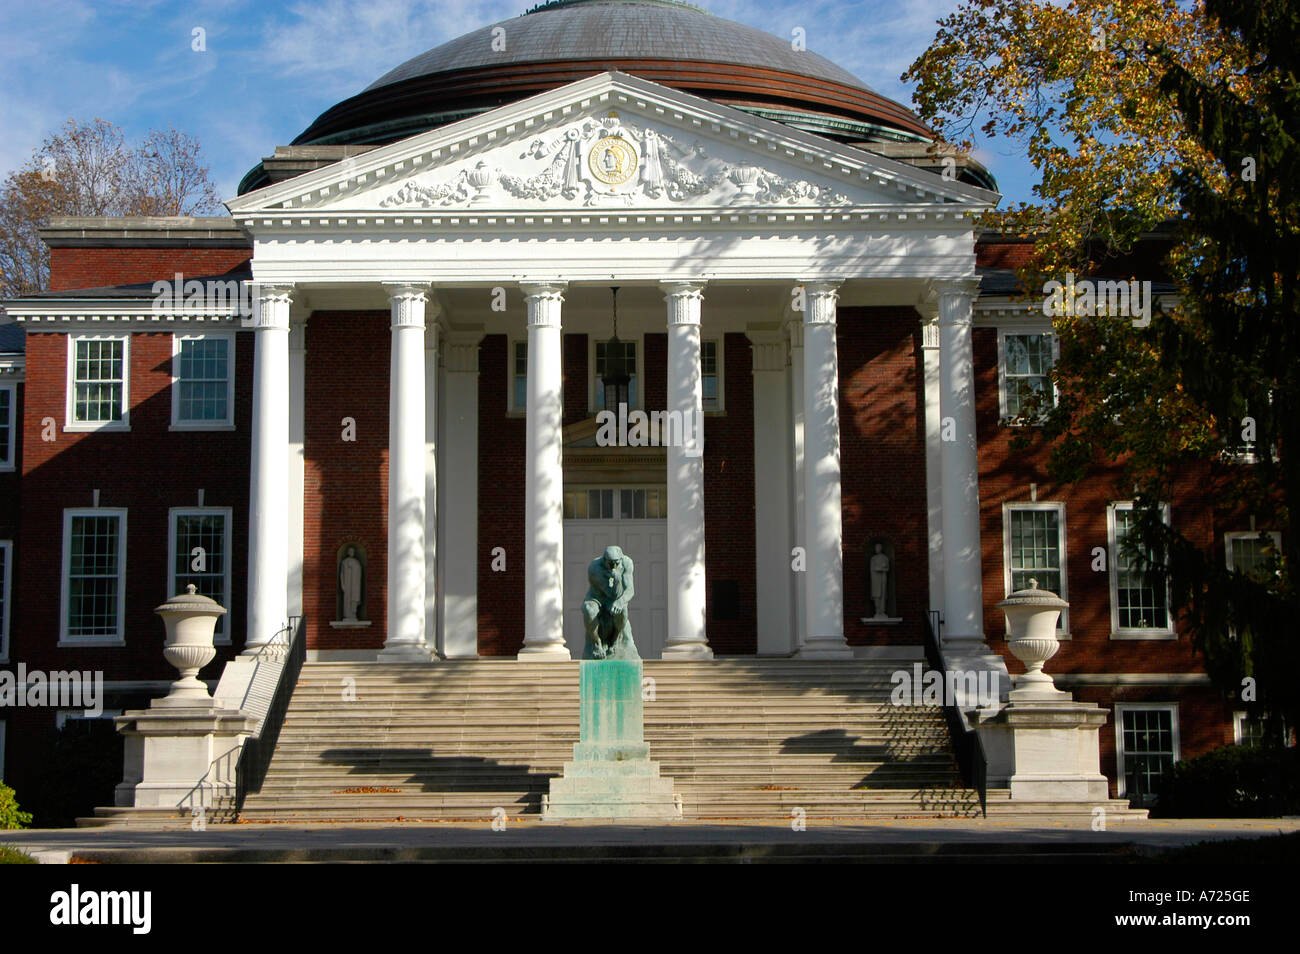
69,514
1112,547
1120,709
10,462
228,422
1063,624
222,635
70,423
6,581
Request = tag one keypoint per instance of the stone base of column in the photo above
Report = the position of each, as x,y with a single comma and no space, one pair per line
687,650
824,647
1045,751
406,653
546,653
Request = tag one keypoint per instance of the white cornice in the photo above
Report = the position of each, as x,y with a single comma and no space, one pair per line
394,163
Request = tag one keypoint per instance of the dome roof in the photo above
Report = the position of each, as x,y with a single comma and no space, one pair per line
635,29
667,42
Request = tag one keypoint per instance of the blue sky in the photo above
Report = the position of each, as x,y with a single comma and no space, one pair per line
272,66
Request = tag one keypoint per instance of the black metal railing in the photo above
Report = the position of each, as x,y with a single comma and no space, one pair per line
255,758
965,740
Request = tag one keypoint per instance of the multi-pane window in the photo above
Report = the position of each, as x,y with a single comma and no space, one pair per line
201,394
98,391
1148,748
1140,597
1254,554
200,549
93,557
8,406
1035,549
519,377
629,356
1026,370
709,374
616,503
6,580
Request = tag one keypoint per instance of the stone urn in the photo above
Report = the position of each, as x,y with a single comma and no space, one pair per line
480,177
746,179
1031,634
191,620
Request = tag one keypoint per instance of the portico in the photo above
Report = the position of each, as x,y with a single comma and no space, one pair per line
715,223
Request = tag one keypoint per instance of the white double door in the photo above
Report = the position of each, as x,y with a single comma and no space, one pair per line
645,541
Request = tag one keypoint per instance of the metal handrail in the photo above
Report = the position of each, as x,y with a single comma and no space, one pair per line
255,757
965,740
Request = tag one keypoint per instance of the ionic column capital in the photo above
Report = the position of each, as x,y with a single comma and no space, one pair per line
407,302
820,300
684,299
273,303
544,300
955,297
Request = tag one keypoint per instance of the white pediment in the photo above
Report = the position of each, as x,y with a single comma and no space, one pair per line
610,142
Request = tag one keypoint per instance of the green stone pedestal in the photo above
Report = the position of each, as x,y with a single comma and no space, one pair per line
611,775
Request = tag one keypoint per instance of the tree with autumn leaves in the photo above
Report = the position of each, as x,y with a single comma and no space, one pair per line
1139,116
89,168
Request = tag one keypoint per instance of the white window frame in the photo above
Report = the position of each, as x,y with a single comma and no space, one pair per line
1121,780
70,424
719,343
7,546
177,423
66,582
1063,624
511,407
10,463
1112,548
2,749
1233,535
1003,414
593,381
220,639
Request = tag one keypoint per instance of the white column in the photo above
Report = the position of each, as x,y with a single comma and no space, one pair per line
297,463
544,478
824,593
458,492
268,495
933,450
963,612
406,461
431,345
772,472
794,329
685,471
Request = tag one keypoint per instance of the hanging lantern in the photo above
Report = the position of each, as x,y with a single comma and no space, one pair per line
615,378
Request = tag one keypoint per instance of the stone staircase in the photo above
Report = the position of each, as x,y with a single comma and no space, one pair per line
743,739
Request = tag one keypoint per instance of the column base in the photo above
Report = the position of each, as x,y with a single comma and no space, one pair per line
688,651
548,653
405,654
824,647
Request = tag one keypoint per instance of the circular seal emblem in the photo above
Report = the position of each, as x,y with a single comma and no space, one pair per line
613,160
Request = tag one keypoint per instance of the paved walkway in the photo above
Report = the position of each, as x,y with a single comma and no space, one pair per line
270,842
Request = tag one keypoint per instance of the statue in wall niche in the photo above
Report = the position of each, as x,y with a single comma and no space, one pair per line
604,610
880,579
351,574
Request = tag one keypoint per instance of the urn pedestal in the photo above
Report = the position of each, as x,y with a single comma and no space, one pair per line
611,775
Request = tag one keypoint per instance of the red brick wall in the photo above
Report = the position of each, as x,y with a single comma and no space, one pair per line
346,482
146,470
575,379
72,268
729,501
501,449
882,460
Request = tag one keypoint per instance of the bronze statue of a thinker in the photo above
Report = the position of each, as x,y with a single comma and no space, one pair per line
604,610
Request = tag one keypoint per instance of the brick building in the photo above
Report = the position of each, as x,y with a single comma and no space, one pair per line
435,266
